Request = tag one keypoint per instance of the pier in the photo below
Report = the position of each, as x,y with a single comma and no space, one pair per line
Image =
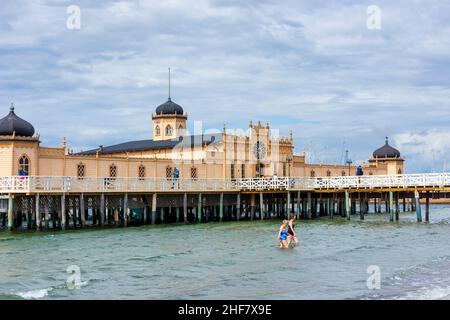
38,202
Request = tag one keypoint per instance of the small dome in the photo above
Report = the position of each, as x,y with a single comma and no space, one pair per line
12,124
169,107
386,151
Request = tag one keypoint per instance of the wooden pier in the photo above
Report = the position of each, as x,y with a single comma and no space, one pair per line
38,202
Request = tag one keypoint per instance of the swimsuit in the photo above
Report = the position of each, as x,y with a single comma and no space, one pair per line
291,231
283,235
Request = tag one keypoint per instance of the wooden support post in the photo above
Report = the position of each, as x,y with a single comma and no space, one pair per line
116,216
252,206
177,214
397,207
390,201
101,217
309,206
261,206
161,215
63,212
418,209
199,208
288,205
10,212
153,219
299,210
427,207
46,214
38,212
221,207
238,206
404,204
362,204
82,212
125,210
347,205
185,208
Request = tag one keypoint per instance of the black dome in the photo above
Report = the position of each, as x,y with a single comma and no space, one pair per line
12,123
386,151
169,107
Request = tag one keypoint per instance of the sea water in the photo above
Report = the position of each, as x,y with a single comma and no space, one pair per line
233,260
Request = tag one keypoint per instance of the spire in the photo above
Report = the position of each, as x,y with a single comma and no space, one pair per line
387,140
12,107
169,84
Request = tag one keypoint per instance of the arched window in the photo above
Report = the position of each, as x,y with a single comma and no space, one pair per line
194,173
24,166
312,173
141,172
328,173
343,173
157,131
113,171
399,171
168,130
81,170
370,173
168,172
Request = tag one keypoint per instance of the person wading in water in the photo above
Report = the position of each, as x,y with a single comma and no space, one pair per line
282,235
291,232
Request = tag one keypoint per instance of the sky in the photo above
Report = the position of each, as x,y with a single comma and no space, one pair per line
317,67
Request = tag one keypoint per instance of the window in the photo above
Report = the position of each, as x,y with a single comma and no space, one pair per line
194,173
24,166
157,131
399,171
243,170
370,173
328,173
81,170
284,169
232,171
343,173
312,173
112,171
141,172
168,172
168,130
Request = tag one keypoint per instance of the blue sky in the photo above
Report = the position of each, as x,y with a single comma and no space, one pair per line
312,66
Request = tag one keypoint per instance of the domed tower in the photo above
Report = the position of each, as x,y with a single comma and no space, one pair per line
169,120
389,156
18,146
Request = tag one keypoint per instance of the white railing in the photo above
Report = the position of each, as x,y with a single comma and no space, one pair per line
34,184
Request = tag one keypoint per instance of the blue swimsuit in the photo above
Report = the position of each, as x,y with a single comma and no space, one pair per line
283,235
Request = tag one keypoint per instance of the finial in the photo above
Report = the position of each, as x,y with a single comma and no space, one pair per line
387,140
169,84
12,107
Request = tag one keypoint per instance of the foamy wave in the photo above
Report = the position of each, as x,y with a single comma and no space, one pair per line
34,294
435,293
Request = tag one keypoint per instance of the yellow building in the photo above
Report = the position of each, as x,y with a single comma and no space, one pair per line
256,152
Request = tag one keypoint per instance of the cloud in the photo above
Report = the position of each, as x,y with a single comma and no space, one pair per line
310,66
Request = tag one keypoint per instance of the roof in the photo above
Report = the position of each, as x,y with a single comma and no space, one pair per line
13,124
386,151
143,145
169,107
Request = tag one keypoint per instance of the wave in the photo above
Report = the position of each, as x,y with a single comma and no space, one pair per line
34,294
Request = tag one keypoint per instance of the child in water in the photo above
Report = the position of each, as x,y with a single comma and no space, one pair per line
282,235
